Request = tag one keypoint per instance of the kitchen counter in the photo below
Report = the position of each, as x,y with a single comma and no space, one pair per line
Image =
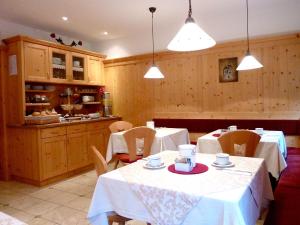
64,123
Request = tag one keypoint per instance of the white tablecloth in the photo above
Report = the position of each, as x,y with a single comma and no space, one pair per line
165,138
216,197
272,148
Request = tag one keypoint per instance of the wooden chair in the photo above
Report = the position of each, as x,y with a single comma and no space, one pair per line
231,141
130,137
120,126
101,168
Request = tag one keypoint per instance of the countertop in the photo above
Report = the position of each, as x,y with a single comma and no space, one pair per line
66,123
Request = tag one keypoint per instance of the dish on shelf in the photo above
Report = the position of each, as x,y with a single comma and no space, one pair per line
50,87
88,98
37,87
78,106
67,107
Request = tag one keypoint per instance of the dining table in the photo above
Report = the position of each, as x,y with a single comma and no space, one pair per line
271,147
165,138
217,196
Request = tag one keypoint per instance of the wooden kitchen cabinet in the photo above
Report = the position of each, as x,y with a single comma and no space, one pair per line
36,66
54,156
41,154
95,70
49,62
77,151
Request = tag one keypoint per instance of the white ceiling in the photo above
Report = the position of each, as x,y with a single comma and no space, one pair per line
129,20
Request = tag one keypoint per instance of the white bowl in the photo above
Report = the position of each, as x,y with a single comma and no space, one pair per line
88,98
67,107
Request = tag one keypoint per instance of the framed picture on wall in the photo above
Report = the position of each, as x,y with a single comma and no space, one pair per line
227,70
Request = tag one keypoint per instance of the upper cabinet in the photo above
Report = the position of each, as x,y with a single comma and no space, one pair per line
95,68
59,63
36,66
48,62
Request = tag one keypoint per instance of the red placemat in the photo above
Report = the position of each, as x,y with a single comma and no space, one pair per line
216,135
199,168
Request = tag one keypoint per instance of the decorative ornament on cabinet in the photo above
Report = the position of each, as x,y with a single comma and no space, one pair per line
59,40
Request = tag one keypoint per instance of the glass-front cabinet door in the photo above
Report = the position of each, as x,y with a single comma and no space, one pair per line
79,67
59,60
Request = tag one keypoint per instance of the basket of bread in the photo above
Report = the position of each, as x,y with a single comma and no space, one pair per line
43,117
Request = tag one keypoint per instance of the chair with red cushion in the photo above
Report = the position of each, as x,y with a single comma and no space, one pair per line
246,139
130,137
120,126
101,168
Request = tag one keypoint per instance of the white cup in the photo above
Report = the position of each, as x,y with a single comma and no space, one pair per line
154,160
188,151
232,128
222,158
259,130
76,63
150,124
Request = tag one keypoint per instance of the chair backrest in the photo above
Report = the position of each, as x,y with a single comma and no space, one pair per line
239,142
131,135
99,161
120,126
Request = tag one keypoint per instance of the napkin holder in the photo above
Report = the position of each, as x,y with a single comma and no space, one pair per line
183,165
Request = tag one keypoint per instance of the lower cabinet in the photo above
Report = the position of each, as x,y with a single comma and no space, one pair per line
77,151
54,156
43,155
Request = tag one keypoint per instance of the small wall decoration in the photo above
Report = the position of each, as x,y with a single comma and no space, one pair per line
227,70
59,40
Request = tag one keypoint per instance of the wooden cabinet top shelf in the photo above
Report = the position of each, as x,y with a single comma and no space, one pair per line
38,91
87,92
38,104
91,103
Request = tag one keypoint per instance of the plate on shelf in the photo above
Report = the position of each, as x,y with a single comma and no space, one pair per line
215,164
148,166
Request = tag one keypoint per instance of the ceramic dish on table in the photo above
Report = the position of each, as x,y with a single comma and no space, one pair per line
148,166
229,164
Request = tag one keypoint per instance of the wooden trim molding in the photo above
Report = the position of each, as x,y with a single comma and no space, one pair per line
51,44
164,55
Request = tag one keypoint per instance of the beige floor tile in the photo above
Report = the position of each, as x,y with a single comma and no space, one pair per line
62,198
25,202
6,199
91,174
64,215
46,193
80,203
41,221
41,208
74,188
16,213
85,180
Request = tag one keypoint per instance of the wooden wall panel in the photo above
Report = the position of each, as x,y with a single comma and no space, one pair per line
191,88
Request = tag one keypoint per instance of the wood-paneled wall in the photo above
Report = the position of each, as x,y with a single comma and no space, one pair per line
191,88
3,151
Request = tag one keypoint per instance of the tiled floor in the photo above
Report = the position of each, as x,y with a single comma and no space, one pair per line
64,203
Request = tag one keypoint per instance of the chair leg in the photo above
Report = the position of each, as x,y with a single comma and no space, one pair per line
116,164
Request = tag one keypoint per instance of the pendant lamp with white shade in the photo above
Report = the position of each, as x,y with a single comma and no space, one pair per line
191,37
153,72
249,62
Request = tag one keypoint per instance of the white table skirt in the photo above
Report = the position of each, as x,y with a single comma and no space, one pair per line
272,148
165,138
230,207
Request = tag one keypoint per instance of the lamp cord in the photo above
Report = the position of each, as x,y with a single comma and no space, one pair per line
248,50
152,42
190,8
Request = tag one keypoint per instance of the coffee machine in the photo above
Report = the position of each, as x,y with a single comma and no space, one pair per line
107,103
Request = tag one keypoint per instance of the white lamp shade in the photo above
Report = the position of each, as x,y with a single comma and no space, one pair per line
191,38
249,62
154,73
